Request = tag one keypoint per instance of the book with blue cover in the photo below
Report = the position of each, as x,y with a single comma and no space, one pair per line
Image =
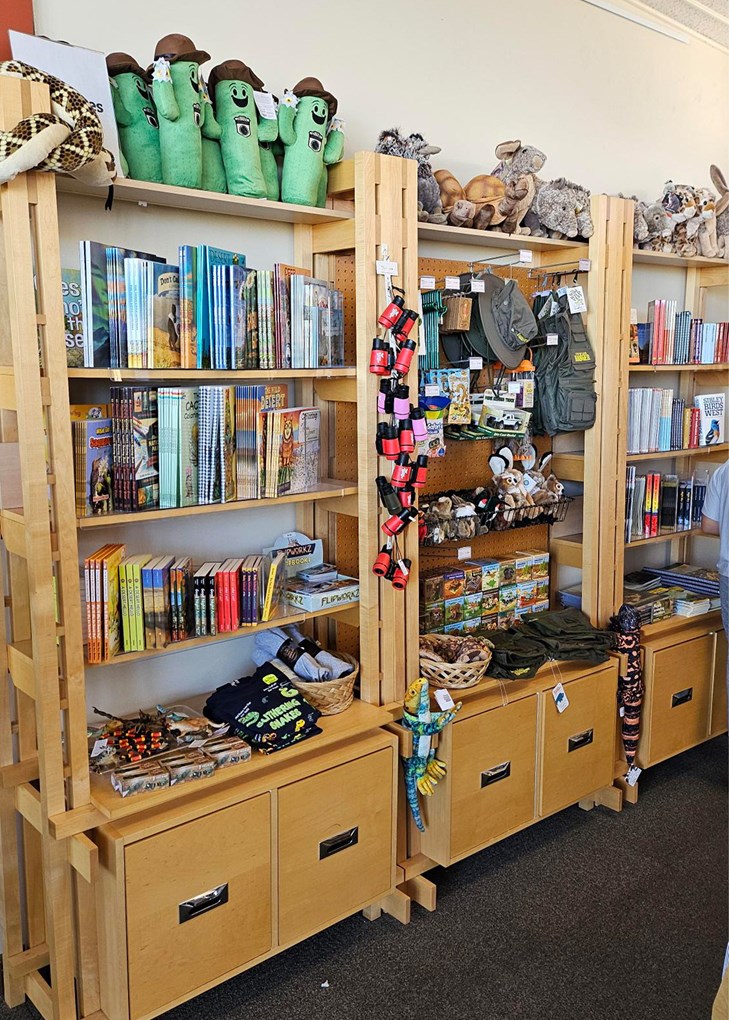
207,257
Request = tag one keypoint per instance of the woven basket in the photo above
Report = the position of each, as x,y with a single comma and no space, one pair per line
330,696
456,675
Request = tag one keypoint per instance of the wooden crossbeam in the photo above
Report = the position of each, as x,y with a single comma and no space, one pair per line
29,960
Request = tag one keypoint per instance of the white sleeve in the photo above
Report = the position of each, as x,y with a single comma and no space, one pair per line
712,502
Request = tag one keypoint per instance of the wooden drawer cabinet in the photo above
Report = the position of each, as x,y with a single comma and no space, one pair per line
198,901
577,744
335,843
718,699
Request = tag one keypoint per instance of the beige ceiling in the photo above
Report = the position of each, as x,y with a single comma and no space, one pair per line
709,18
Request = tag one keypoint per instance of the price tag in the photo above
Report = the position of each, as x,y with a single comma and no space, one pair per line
386,268
562,291
528,483
552,339
525,255
621,711
475,363
427,283
116,375
560,698
576,299
432,390
99,746
404,569
585,265
452,283
444,699
266,105
527,397
633,316
197,743
633,775
513,387
422,748
477,286
464,552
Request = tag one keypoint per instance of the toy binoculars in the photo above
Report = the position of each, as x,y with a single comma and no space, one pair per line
404,358
404,325
380,357
383,562
401,574
388,496
392,313
398,522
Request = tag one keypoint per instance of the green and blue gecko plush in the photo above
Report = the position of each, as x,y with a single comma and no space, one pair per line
136,118
176,91
313,139
245,126
422,769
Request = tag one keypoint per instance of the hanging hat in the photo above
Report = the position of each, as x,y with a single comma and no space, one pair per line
179,47
313,87
233,70
122,63
504,323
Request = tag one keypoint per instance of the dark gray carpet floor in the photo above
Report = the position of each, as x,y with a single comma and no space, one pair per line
590,915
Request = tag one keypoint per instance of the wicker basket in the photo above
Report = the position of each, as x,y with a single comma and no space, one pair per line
456,675
330,696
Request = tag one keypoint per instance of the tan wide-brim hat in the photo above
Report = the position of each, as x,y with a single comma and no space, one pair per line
123,63
313,87
179,47
233,70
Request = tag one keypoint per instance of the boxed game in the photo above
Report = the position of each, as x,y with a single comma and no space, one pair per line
507,598
526,593
473,578
453,610
454,582
472,606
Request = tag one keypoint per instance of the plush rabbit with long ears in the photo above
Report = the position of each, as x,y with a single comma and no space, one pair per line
721,210
509,482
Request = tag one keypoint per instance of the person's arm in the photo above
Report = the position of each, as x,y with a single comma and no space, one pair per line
709,525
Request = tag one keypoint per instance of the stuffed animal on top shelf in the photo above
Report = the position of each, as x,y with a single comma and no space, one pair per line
176,91
706,236
508,480
679,203
563,209
484,202
213,169
271,154
136,117
519,164
392,143
658,226
313,139
722,211
69,140
233,86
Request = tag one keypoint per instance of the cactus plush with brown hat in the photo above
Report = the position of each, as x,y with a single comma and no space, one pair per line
213,169
313,139
232,88
136,117
176,91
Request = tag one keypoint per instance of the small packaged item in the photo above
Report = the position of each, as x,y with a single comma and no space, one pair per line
472,606
472,626
506,618
431,586
540,607
186,767
453,628
507,571
453,611
490,622
454,582
523,566
434,617
542,590
489,574
507,598
139,778
540,565
473,578
227,751
490,602
522,611
526,594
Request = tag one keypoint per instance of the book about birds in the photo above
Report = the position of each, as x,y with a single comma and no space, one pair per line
711,424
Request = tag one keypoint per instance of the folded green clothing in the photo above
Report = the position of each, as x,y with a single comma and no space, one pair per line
564,634
515,656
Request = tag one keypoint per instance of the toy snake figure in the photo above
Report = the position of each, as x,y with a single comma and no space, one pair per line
423,769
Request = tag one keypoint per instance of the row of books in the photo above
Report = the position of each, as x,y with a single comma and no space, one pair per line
658,504
134,309
670,337
658,421
135,603
159,448
700,580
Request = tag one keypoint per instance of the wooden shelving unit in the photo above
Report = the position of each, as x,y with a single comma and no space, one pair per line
444,234
719,367
208,375
697,451
667,536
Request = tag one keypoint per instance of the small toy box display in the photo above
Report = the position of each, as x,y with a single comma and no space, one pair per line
312,584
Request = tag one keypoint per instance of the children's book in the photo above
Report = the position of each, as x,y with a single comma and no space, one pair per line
93,461
275,584
145,491
163,318
207,257
188,326
73,318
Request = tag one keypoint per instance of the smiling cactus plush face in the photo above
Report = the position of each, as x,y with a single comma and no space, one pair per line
176,91
136,117
313,140
233,86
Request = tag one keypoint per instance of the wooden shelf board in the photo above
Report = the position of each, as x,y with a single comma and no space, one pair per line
290,616
719,367
567,549
662,258
358,719
194,200
669,536
492,238
653,630
194,375
697,451
327,490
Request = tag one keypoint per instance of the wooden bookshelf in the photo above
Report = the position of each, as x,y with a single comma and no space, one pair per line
443,234
669,536
661,258
696,451
203,375
348,613
722,367
328,489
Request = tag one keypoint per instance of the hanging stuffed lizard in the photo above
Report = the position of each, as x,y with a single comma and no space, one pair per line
313,140
67,140
422,769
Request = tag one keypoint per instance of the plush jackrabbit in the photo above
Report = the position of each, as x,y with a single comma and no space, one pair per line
722,211
508,481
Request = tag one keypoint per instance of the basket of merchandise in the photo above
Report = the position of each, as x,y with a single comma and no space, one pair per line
451,661
330,696
457,516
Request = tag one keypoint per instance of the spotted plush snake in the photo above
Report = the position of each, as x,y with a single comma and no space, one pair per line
67,140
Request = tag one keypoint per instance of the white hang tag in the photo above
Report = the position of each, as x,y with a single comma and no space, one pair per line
404,569
427,283
423,747
266,105
444,699
562,291
633,316
576,299
584,265
525,255
621,711
386,268
560,698
514,387
452,283
529,484
633,775
99,746
477,286
552,339
527,397
475,363
432,389
197,743
464,552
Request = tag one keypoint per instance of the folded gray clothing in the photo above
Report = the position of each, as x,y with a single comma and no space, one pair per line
337,667
275,644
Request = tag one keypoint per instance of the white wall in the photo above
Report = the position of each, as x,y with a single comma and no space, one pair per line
615,106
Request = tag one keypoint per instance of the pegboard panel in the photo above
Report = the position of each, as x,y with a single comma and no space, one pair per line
345,281
495,543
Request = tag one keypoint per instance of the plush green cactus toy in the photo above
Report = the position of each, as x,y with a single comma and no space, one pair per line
269,169
313,140
136,118
243,123
176,91
213,170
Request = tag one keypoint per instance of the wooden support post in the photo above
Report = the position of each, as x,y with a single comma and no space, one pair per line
609,797
397,905
422,891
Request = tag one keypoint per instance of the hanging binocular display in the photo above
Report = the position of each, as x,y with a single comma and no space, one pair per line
391,358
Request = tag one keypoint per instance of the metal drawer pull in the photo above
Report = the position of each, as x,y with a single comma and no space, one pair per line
495,774
334,844
682,697
580,740
201,904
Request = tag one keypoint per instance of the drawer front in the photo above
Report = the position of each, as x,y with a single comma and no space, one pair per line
198,903
718,701
492,774
578,744
680,679
335,843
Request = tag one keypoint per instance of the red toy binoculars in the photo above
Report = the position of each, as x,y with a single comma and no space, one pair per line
401,574
392,313
380,357
398,522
